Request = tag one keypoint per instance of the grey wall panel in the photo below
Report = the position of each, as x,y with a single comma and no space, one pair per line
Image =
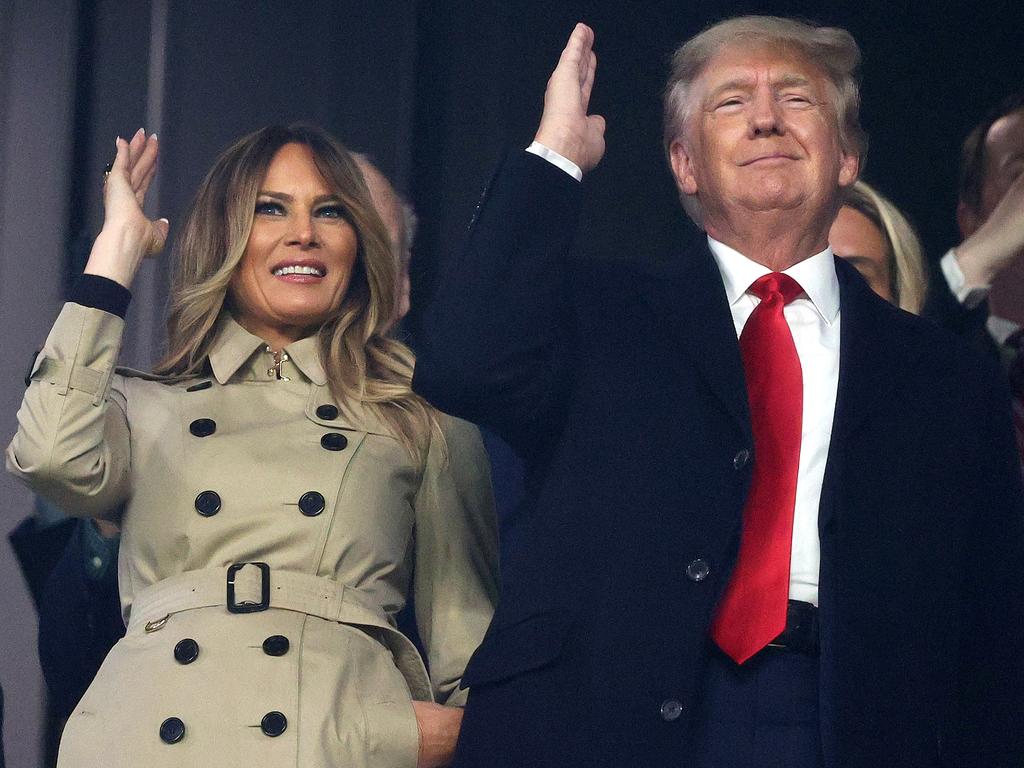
37,127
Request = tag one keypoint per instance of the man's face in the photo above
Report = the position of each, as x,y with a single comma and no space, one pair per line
762,136
1004,163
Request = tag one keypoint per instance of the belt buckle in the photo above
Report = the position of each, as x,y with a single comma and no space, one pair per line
249,607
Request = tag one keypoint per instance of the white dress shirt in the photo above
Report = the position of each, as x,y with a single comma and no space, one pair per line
813,318
999,328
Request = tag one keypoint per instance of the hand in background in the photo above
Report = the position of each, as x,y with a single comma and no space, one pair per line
565,125
998,242
128,235
439,731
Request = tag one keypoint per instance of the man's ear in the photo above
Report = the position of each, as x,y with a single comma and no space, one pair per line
967,219
849,169
682,168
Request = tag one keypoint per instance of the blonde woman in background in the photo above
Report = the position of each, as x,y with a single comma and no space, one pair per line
876,238
280,488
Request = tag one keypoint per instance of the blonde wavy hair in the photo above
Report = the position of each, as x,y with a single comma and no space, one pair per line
907,276
363,364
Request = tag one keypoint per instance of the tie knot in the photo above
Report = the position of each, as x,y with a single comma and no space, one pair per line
776,283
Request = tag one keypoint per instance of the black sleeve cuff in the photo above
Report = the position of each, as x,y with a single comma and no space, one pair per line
101,293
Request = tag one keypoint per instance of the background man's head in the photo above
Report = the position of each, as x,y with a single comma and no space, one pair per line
991,159
829,55
400,220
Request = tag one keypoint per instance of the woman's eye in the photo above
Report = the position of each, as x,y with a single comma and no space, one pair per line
268,208
331,212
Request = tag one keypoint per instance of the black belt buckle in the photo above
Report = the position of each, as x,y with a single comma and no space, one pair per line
249,607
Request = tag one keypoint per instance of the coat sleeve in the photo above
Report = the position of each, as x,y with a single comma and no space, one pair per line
986,728
494,341
456,566
72,445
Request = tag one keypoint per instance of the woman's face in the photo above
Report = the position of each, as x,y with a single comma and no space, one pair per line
855,238
300,255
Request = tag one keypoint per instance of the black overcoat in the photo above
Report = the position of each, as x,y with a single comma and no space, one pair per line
622,387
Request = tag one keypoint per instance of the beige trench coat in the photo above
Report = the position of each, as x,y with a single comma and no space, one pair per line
240,467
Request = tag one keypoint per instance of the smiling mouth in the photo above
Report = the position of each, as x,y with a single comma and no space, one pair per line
771,159
297,269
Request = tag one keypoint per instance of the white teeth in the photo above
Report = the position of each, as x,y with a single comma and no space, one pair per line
297,270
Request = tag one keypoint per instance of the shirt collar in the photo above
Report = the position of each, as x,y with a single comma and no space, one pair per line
233,347
816,275
1000,328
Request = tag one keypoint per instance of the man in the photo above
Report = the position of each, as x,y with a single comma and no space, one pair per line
980,291
777,521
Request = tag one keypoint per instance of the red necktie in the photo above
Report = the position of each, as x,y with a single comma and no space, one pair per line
752,611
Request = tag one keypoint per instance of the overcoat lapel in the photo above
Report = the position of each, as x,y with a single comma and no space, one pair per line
691,301
870,359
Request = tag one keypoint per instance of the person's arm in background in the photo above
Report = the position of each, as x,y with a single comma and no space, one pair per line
494,345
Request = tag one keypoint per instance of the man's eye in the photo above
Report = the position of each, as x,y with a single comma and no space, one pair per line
733,101
796,98
268,208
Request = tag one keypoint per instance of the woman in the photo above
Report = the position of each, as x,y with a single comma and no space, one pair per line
873,235
279,486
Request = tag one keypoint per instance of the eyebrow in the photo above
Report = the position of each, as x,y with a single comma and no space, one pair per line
288,198
789,80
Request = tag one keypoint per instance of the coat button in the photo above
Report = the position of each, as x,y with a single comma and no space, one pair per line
200,386
739,461
203,427
334,441
671,709
208,503
274,724
698,569
276,645
186,651
311,503
172,730
327,412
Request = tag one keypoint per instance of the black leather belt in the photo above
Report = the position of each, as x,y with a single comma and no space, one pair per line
801,632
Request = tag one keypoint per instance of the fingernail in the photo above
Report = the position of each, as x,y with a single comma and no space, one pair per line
153,136
165,221
138,132
117,142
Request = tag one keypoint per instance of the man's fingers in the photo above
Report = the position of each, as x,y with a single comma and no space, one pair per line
588,78
578,45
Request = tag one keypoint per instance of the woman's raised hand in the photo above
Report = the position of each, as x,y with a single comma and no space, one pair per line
128,235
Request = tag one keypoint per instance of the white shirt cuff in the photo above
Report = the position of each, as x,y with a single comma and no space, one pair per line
556,159
968,295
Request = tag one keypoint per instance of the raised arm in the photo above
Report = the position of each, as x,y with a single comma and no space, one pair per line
72,443
497,341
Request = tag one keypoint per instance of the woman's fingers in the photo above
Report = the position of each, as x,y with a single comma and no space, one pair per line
135,147
145,167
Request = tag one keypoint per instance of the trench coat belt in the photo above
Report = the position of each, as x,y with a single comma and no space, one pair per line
301,592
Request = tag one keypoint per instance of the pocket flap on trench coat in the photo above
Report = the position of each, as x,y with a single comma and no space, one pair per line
521,646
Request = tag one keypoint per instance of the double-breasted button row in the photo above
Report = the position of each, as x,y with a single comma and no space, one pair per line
172,730
311,503
332,441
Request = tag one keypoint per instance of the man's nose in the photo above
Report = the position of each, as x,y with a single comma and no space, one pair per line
765,116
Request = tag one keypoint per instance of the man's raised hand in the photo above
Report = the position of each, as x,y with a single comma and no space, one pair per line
565,126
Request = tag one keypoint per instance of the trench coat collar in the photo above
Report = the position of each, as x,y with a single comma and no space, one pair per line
233,347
